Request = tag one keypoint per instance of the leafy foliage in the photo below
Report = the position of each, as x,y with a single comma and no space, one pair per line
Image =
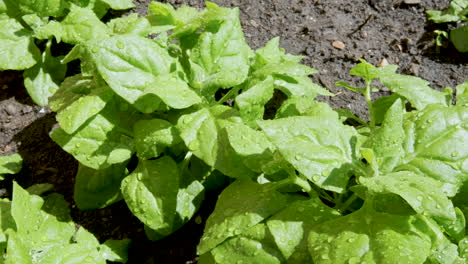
157,122
456,12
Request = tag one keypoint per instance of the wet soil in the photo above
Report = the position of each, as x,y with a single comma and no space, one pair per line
332,35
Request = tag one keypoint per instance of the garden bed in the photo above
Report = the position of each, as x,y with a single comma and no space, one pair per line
331,35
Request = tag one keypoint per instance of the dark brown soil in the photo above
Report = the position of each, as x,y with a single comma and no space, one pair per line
372,29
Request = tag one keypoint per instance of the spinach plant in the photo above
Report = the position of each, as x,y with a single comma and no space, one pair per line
158,121
10,164
40,230
26,38
392,190
457,12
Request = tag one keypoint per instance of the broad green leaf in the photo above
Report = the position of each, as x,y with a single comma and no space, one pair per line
454,13
387,140
79,26
436,145
251,103
369,72
242,250
424,194
250,144
381,106
119,4
462,94
271,53
151,193
10,164
183,20
17,251
141,72
115,250
44,8
370,237
234,214
297,106
320,147
290,76
153,136
18,49
255,244
463,247
189,198
220,57
82,105
47,225
205,135
459,37
291,226
414,89
102,141
96,189
133,24
199,132
42,80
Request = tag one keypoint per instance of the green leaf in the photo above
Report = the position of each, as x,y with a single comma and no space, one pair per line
291,226
119,4
454,13
320,147
102,141
153,136
184,20
462,94
387,140
463,247
46,222
369,237
17,251
189,199
81,105
115,250
79,26
435,145
141,72
298,106
234,214
151,193
10,164
220,57
414,89
369,72
251,145
381,106
133,24
55,8
459,38
96,189
41,81
243,250
18,49
251,103
205,135
424,194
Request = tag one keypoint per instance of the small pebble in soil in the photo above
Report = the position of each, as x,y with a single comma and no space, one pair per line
412,2
383,63
11,109
338,44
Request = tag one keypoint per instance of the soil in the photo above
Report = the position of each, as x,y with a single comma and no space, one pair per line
332,35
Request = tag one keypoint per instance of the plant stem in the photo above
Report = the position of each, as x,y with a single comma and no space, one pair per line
369,104
229,94
348,202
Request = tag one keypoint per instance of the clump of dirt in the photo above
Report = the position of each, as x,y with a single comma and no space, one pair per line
332,35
